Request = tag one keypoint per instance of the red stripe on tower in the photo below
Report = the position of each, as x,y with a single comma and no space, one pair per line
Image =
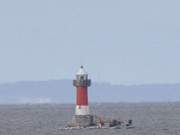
82,96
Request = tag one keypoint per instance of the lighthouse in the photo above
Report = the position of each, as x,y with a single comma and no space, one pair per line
82,83
83,117
82,113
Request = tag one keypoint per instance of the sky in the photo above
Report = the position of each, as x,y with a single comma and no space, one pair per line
118,41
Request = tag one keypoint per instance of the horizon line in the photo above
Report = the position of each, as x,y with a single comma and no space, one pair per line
95,82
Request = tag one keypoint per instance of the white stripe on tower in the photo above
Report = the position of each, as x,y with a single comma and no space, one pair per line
82,110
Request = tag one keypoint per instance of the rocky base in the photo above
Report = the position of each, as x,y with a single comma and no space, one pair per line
82,121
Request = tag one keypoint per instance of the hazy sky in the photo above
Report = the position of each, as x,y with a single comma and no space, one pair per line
118,41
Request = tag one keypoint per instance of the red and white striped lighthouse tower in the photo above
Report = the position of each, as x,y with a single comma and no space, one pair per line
82,83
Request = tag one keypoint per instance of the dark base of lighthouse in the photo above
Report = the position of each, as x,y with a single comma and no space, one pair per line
82,121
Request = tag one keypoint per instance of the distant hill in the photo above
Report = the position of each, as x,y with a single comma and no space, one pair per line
62,91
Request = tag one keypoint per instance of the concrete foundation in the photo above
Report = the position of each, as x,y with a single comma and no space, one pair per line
82,121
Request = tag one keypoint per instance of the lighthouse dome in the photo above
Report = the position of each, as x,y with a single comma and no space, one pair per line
81,71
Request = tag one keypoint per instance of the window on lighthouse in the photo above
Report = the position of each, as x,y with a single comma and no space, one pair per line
82,77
